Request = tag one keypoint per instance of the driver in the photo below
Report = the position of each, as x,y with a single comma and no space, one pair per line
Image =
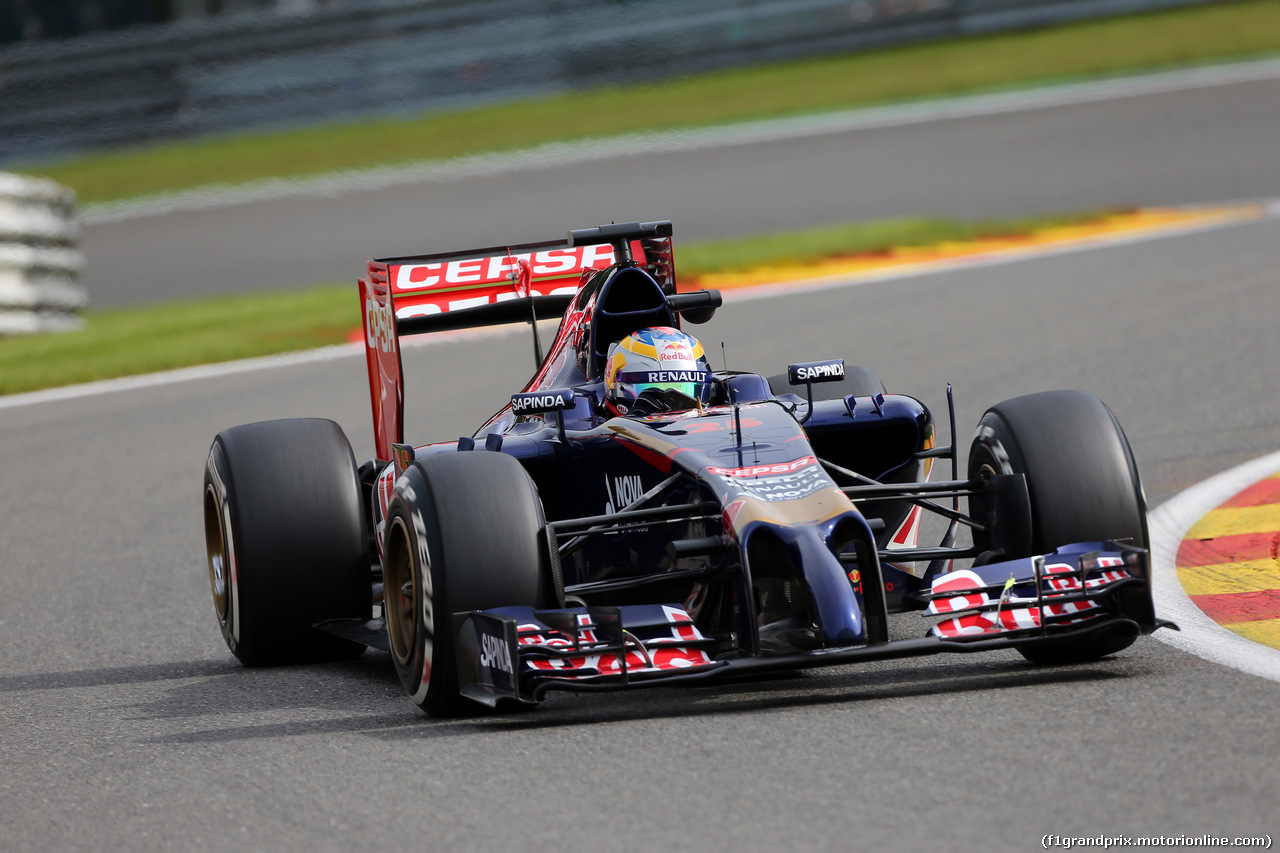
659,369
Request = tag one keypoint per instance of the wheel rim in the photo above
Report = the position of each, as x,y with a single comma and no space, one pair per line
216,550
401,597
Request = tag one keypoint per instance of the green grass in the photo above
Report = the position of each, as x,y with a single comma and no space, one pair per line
1172,38
126,342
855,238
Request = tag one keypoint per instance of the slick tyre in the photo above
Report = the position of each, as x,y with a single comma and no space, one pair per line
1083,486
285,539
858,381
465,531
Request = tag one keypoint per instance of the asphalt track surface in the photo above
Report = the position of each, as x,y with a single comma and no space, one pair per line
1206,144
125,724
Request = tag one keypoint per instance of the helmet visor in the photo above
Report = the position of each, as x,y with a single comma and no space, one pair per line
694,384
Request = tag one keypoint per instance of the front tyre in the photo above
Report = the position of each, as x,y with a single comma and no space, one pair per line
285,540
1083,486
465,531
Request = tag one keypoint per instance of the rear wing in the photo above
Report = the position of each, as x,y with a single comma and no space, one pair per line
484,287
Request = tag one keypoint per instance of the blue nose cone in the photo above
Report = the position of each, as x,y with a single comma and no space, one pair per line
837,606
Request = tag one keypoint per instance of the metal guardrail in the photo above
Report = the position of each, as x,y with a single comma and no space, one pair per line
39,259
401,56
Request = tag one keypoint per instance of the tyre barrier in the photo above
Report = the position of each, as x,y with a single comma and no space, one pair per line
40,261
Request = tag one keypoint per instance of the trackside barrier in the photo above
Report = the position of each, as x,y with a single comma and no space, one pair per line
39,260
371,57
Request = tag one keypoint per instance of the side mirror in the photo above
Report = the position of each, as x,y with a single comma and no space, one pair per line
697,307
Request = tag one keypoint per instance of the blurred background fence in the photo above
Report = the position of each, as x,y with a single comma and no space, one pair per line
264,63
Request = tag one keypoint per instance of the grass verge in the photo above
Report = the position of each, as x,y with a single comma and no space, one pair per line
1177,37
131,341
127,342
805,246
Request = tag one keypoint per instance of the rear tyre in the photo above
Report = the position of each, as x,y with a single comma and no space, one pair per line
285,539
465,531
858,382
1083,486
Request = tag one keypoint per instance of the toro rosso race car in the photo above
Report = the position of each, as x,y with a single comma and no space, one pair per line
632,517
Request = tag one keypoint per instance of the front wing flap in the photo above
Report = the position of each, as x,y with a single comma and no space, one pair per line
517,652
1037,596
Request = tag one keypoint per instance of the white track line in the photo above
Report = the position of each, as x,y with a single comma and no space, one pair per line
744,133
1271,210
246,365
184,374
1200,635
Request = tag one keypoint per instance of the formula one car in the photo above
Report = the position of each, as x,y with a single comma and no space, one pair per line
633,518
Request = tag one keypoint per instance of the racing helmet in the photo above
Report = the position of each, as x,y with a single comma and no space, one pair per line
654,370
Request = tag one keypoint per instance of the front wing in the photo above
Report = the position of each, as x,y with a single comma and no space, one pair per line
519,653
